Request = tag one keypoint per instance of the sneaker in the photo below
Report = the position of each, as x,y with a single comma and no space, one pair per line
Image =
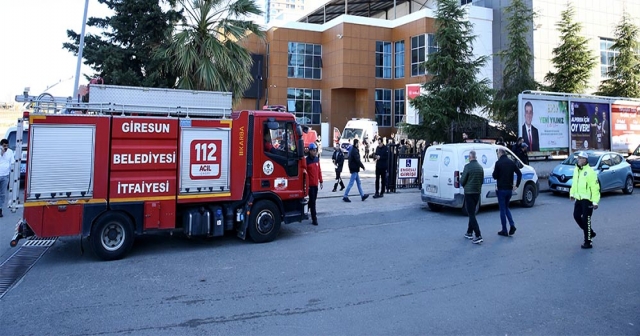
478,240
346,199
381,195
314,223
365,197
468,235
512,230
586,245
376,195
342,188
503,233
334,190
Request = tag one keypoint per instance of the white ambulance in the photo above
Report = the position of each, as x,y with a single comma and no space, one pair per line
360,128
442,168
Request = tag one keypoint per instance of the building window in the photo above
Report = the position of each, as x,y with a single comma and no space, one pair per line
305,60
383,59
399,59
464,2
421,47
398,107
383,107
305,104
607,56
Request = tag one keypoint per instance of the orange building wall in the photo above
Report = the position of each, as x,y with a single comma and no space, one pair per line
348,75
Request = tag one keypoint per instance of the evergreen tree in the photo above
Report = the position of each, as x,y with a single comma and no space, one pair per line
453,90
517,60
624,76
572,59
204,51
122,53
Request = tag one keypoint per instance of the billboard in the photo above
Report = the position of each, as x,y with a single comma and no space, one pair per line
625,126
590,126
544,124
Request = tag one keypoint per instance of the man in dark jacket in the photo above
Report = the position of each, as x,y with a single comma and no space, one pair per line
338,161
471,180
382,161
354,168
503,174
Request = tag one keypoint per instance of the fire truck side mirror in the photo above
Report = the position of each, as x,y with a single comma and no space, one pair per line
300,148
305,129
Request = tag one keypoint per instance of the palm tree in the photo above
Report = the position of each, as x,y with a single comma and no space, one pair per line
203,49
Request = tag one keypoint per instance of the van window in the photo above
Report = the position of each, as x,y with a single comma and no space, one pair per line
351,133
12,139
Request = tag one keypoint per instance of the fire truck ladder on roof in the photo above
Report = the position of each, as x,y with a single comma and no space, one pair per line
126,100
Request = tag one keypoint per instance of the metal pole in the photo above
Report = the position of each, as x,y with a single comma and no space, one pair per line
395,13
80,49
346,6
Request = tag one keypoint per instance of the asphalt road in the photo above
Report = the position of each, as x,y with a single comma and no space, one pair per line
385,266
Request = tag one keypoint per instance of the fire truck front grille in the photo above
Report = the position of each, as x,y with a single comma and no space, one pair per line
19,263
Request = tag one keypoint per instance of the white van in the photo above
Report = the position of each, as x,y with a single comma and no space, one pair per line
10,135
360,127
442,168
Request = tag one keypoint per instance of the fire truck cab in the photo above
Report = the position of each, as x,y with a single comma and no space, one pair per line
134,161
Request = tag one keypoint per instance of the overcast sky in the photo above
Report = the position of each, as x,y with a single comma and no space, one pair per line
32,33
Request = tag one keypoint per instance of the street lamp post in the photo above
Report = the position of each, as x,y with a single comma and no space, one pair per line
80,49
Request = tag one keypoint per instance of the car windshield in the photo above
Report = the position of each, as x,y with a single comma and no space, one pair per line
351,133
572,160
12,139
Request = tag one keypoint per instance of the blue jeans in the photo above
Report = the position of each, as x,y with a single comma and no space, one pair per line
504,197
354,177
4,183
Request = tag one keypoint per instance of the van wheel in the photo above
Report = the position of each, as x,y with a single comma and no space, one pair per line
528,196
464,208
264,222
628,186
435,207
112,236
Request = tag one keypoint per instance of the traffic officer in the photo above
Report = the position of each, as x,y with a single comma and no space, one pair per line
585,190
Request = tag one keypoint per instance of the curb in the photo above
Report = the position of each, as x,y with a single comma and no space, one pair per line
406,191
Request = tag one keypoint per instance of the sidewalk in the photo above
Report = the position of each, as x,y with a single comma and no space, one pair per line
367,178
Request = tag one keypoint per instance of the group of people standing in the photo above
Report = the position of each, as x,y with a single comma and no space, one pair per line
355,165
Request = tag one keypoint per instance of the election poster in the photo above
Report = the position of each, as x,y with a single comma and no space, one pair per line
545,125
590,126
625,126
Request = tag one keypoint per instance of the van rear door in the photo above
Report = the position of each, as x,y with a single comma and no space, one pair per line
430,171
449,175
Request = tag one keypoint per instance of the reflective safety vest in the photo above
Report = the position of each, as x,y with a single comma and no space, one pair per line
585,184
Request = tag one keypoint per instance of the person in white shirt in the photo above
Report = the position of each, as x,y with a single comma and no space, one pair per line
6,159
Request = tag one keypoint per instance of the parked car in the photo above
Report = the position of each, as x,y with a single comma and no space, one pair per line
613,172
634,161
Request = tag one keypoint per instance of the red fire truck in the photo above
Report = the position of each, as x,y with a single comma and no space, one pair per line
134,161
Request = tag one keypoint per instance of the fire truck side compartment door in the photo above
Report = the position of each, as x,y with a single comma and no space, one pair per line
61,160
204,160
151,215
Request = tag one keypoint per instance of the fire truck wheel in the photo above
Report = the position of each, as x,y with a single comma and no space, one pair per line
112,236
264,223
